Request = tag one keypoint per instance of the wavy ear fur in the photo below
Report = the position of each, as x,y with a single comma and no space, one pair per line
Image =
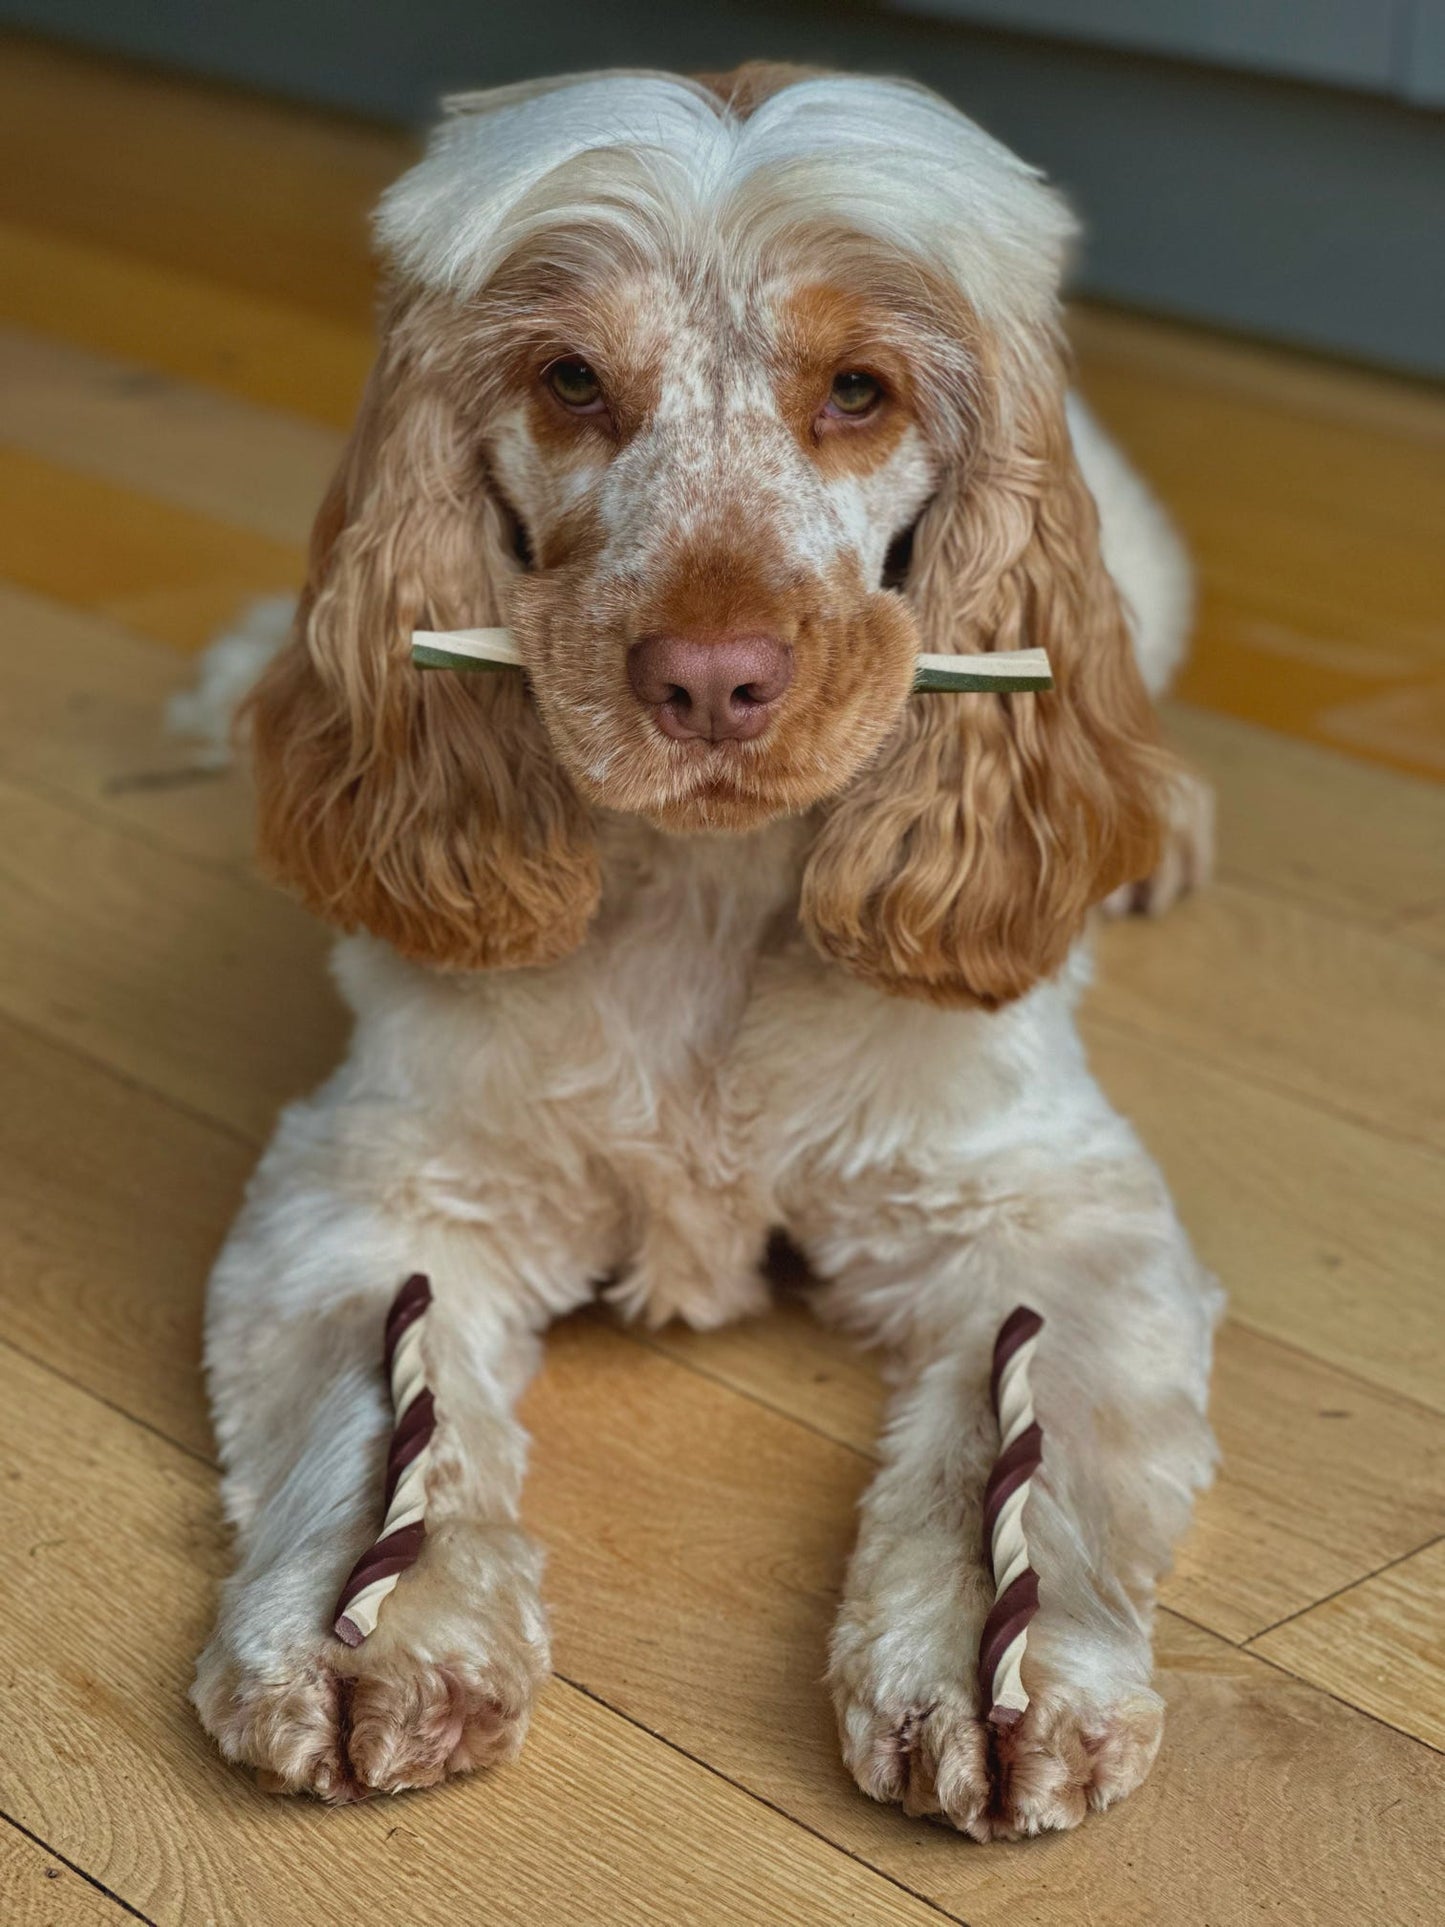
425,808
960,867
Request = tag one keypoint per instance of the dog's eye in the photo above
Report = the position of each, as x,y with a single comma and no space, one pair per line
855,394
575,385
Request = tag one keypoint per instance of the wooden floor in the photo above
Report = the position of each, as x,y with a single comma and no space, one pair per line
186,330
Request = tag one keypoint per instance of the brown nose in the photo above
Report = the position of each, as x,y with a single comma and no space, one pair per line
710,690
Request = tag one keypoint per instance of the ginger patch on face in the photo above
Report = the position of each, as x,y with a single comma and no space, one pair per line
829,341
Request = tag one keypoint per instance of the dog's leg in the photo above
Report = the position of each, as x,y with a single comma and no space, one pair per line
1186,859
295,1323
1119,1381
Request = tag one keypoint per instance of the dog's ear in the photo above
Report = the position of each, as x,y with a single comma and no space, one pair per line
423,806
961,865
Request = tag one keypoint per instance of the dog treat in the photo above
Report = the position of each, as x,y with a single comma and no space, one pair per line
1006,672
403,1527
1016,1584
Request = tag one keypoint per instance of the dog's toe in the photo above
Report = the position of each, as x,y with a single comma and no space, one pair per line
930,1758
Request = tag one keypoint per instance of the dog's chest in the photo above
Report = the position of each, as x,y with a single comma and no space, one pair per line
672,971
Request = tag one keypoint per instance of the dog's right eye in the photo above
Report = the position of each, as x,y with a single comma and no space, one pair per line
575,385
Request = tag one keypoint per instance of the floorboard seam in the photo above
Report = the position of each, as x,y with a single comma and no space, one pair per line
80,1873
1349,1586
1385,924
868,1455
121,1411
1373,1386
78,1053
1315,1686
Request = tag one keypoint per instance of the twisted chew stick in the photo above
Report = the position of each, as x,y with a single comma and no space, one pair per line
1004,671
1016,1584
403,1527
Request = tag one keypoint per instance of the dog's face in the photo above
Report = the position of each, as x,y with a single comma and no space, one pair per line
708,478
727,400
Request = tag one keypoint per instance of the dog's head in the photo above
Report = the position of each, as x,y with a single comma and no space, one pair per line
728,398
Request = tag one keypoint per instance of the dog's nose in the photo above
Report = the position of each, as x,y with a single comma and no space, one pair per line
713,690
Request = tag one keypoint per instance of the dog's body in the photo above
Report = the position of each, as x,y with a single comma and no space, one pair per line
695,1038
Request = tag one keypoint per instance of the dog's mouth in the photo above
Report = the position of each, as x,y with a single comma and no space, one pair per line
710,766
700,785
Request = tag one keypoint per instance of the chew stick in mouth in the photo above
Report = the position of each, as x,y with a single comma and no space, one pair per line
374,1576
1004,673
1016,1585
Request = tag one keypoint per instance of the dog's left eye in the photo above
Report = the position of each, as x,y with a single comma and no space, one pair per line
574,384
855,394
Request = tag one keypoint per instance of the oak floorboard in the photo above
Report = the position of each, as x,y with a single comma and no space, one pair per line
199,984
1326,1234
1289,998
169,573
1313,825
101,298
135,428
82,718
1425,928
1161,357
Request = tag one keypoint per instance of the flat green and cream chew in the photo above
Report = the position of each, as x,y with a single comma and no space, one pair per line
1004,673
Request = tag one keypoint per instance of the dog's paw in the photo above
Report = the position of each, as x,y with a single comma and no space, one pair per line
1069,1756
444,1685
938,1759
1186,859
344,1728
904,1684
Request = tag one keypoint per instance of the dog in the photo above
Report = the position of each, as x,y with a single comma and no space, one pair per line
727,395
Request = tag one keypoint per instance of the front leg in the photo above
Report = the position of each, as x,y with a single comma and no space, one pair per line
296,1313
1120,1379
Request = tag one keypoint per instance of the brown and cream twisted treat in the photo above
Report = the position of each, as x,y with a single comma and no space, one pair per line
403,1527
1016,1584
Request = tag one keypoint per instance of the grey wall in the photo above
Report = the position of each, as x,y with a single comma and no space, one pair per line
1298,211
1367,44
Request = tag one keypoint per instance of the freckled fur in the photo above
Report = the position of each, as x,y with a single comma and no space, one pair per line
622,1010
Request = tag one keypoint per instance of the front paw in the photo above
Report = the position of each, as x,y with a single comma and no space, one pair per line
912,1735
1071,1754
444,1685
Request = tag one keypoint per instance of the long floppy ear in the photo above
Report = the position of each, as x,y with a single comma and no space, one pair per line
425,808
960,867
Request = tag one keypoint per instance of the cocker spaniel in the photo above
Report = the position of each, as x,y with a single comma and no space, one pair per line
727,396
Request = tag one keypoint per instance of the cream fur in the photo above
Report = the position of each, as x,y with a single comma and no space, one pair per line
648,1109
